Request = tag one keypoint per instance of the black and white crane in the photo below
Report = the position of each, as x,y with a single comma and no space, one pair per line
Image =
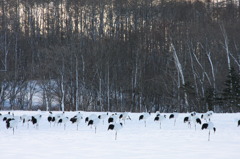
144,116
25,119
57,117
95,122
11,123
207,116
174,116
124,116
159,118
188,120
196,120
193,113
103,117
50,118
112,119
76,119
158,113
209,126
63,120
192,118
90,117
7,116
116,127
35,120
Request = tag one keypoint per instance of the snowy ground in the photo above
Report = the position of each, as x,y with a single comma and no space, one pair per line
134,140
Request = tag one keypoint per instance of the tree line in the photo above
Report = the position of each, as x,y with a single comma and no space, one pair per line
120,55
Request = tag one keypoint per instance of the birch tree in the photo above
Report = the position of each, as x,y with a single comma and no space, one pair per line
180,72
225,45
77,83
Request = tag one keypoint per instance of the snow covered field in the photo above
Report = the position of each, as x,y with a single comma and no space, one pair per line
134,140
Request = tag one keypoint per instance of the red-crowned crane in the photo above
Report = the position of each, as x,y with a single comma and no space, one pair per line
112,119
103,117
207,116
11,123
77,119
174,116
63,120
160,118
90,117
144,117
95,122
26,119
124,116
209,126
116,127
36,119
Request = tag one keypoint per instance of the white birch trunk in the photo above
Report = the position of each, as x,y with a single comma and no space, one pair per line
121,97
47,104
194,73
108,90
204,72
1,96
136,73
236,61
135,81
77,87
180,71
226,46
100,93
212,68
62,85
63,93
83,81
140,103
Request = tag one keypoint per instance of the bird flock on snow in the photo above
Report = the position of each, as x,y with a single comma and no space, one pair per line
115,121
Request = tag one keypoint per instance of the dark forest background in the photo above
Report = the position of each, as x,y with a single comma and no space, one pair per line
120,55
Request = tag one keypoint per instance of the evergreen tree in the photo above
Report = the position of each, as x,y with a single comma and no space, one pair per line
209,98
231,93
